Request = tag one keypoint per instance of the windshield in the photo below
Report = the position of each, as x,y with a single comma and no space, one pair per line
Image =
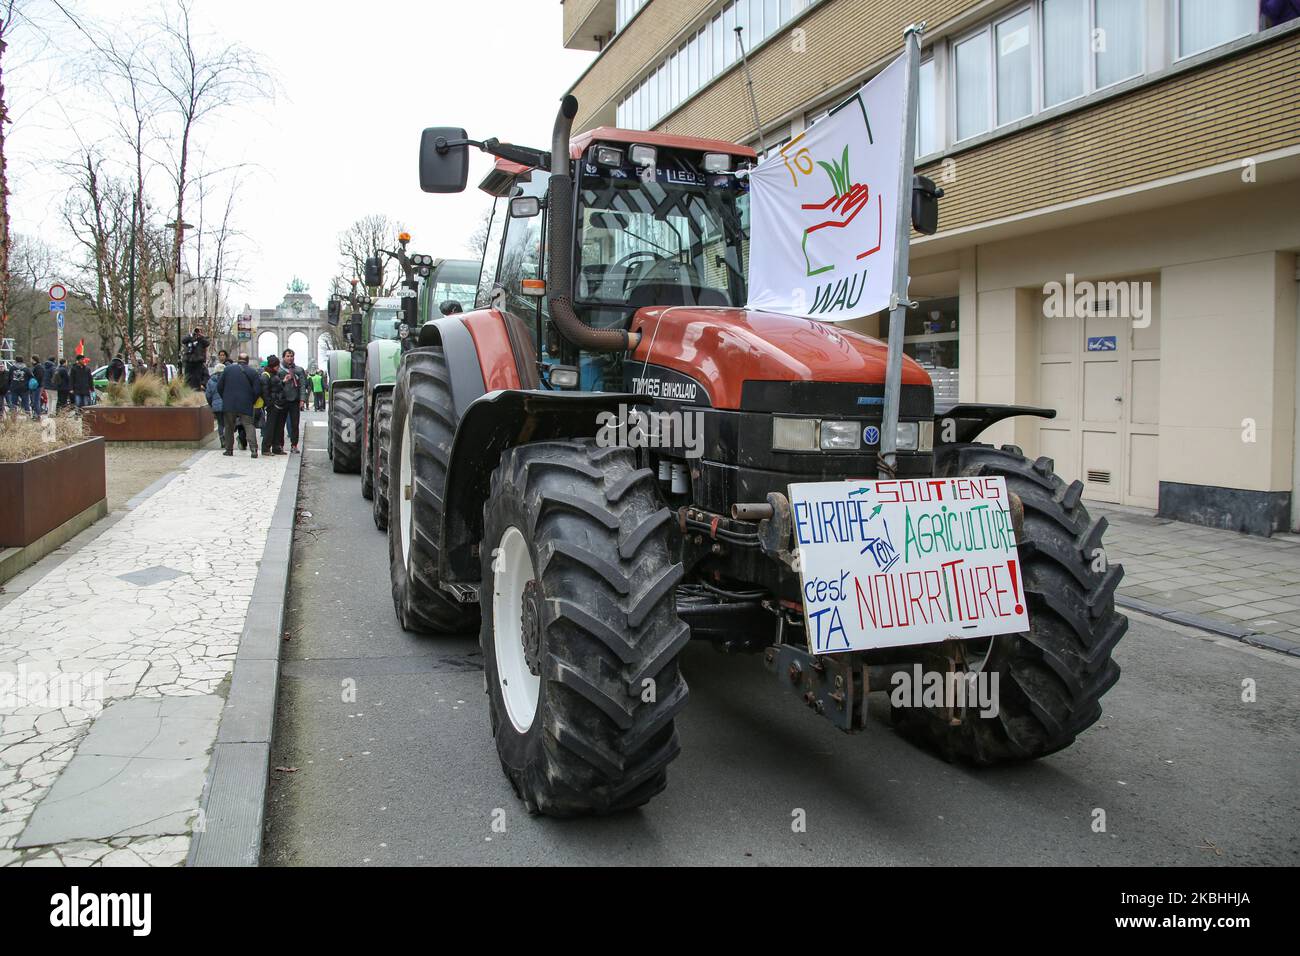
673,235
383,323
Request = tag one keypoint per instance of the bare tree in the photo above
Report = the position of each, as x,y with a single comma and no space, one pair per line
361,240
33,266
198,81
478,239
7,11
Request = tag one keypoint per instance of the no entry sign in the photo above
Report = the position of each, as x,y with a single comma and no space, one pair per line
906,561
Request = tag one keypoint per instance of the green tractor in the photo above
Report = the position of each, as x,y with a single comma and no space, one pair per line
362,380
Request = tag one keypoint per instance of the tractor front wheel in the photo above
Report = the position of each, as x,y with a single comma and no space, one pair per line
345,428
379,455
580,634
1050,680
422,427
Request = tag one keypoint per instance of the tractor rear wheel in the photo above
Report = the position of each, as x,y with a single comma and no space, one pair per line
379,455
580,633
1050,680
345,428
422,426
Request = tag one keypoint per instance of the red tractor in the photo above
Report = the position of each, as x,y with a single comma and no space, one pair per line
615,285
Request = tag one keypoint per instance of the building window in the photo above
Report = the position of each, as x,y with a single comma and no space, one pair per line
972,79
1015,72
927,127
708,53
625,11
1203,24
1043,55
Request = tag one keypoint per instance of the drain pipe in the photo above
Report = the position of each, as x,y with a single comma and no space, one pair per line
559,260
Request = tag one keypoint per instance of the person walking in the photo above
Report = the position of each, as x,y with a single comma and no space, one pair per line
238,388
318,390
62,385
293,384
214,402
273,395
83,383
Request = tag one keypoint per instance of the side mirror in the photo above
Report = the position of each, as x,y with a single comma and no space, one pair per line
333,312
525,207
443,168
925,205
374,272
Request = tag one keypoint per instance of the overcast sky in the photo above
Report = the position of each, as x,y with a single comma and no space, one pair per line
356,84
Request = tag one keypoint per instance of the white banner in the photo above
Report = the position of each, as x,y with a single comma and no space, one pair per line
824,209
906,561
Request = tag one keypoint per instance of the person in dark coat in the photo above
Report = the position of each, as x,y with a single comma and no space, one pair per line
83,382
239,387
62,380
273,394
116,370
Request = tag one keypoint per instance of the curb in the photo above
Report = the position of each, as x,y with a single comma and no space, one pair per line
1222,628
234,796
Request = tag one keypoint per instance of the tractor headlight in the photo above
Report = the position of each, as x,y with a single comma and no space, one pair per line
794,434
915,436
840,436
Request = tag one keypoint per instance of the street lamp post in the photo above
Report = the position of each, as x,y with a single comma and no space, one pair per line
180,227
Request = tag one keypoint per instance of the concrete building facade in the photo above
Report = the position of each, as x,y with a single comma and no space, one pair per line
1119,234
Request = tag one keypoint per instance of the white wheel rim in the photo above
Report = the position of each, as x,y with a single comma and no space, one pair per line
513,569
406,494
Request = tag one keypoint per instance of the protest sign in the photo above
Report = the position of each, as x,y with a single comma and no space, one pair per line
906,561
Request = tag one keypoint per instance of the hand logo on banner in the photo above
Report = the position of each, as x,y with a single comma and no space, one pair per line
839,211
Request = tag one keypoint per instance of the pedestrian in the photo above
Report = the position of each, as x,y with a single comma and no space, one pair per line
238,389
293,384
215,403
83,383
32,390
273,395
116,370
194,359
62,385
318,390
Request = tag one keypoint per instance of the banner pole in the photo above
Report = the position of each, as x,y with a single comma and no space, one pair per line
898,301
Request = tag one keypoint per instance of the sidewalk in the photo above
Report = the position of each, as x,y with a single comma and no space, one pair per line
1240,585
114,667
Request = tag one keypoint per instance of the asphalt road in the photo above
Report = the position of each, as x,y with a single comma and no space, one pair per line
407,774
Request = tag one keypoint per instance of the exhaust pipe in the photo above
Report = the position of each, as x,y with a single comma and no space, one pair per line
559,259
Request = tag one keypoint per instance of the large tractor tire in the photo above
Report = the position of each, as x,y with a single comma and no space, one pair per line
379,455
345,428
1051,679
422,427
580,633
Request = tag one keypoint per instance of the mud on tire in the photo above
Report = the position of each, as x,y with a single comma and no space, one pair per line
422,397
605,628
379,456
1050,680
345,407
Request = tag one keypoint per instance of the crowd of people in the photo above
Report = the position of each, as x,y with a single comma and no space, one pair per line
41,388
246,401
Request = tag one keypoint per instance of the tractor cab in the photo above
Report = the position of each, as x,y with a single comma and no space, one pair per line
656,221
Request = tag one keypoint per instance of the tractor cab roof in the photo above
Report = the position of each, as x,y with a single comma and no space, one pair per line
505,175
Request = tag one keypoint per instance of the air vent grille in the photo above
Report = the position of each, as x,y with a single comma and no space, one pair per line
1099,477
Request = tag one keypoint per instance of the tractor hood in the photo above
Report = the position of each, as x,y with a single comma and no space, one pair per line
722,348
